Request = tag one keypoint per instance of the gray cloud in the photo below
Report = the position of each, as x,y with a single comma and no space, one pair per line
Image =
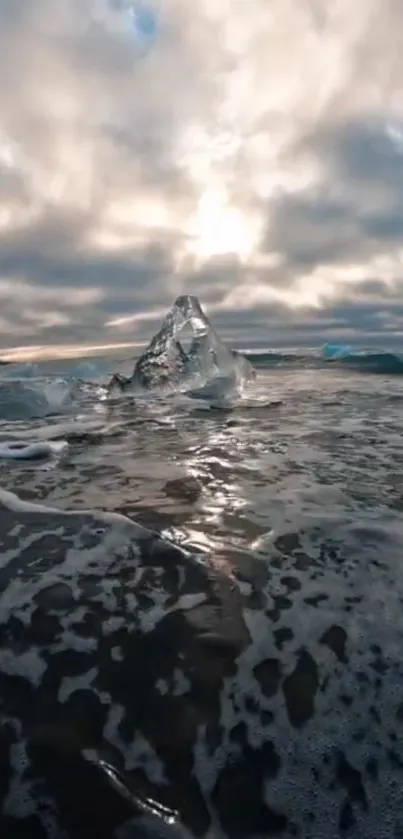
355,209
254,158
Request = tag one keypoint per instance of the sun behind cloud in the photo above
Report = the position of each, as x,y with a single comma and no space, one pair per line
217,229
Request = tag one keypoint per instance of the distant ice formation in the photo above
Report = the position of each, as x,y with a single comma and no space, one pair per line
335,351
186,354
364,360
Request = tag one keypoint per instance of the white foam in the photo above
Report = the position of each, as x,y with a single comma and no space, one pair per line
117,654
72,683
19,801
29,664
181,684
31,451
18,505
76,428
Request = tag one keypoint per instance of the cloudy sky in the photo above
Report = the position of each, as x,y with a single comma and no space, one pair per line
247,151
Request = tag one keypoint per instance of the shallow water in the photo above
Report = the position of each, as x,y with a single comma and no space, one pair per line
284,715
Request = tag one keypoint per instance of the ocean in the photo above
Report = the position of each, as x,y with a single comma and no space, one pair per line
221,656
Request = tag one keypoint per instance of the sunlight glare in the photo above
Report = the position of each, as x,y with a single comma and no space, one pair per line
217,228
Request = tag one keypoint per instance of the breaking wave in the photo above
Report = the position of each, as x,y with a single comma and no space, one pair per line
362,361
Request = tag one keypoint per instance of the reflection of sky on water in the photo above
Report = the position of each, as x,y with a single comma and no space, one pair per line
242,463
219,465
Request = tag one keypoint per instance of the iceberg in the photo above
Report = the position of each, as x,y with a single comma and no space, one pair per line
335,351
186,354
364,360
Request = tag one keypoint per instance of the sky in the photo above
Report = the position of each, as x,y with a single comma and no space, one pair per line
246,151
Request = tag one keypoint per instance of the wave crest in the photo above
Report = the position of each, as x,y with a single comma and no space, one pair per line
362,361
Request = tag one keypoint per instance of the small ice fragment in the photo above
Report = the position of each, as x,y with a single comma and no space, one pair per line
31,451
335,351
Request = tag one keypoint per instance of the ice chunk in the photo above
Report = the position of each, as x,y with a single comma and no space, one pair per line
187,354
335,351
31,451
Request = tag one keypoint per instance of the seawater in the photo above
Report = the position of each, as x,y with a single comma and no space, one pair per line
252,682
